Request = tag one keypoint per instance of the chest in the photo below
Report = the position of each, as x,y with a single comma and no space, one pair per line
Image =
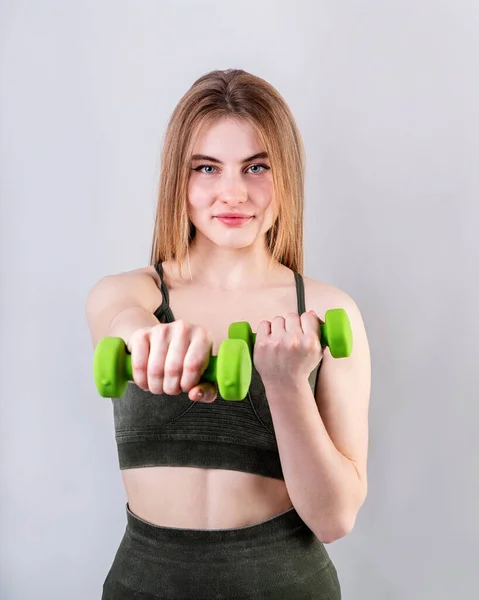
215,311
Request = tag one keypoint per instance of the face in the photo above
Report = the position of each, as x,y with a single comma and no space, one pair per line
228,176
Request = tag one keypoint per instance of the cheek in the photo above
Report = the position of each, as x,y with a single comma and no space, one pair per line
265,190
259,188
198,194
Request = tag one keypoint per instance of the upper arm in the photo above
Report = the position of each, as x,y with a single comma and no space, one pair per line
114,294
343,392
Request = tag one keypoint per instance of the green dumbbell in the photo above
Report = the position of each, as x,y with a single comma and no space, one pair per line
230,369
335,333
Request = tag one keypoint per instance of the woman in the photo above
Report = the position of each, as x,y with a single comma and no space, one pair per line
227,499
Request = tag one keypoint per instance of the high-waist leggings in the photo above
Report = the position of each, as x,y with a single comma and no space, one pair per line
277,559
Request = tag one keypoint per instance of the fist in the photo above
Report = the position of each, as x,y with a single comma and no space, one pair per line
170,358
288,348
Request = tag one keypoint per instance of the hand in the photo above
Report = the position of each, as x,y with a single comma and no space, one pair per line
170,358
286,350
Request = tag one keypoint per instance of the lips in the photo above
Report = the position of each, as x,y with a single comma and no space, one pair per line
234,221
233,216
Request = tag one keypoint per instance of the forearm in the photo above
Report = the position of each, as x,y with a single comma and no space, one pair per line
128,320
322,483
117,305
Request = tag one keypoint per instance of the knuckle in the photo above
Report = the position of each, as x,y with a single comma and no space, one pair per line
138,338
312,341
139,367
174,369
200,332
142,333
159,331
181,325
193,365
295,343
156,370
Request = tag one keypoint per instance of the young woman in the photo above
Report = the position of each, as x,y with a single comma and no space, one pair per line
225,499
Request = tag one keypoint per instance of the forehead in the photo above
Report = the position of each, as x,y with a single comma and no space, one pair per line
229,137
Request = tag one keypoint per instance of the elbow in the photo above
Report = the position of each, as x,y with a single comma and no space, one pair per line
342,523
337,528
333,534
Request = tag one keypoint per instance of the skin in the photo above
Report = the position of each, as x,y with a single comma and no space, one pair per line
236,257
222,260
232,279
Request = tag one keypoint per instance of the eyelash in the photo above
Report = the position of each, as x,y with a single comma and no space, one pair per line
265,167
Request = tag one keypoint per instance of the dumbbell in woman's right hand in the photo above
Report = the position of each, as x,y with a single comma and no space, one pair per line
172,358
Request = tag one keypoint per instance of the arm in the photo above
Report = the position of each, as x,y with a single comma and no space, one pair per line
323,438
118,305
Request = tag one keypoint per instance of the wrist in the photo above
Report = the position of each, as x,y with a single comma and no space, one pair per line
280,389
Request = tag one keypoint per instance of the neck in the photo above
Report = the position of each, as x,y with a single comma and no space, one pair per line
230,269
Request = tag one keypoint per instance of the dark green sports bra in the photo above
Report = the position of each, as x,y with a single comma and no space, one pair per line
152,429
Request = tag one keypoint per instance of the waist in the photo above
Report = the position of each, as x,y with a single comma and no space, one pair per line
199,498
274,529
277,558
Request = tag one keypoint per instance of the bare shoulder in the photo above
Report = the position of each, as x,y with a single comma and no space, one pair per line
136,286
322,296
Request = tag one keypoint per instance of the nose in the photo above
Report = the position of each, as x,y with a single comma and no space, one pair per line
232,189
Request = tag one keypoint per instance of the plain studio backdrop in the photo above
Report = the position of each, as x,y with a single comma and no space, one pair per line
386,96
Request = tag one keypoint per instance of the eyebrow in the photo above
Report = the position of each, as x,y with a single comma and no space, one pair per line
216,160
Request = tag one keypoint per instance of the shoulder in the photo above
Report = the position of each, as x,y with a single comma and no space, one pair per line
141,284
322,296
143,276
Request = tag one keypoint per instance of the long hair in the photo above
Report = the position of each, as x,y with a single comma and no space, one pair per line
239,94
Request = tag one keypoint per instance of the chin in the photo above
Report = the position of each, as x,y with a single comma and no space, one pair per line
230,245
226,241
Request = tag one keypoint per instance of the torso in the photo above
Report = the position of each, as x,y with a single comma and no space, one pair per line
189,497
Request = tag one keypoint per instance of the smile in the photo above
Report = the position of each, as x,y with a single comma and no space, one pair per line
233,221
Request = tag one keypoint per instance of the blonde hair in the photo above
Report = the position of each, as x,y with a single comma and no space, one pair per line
238,94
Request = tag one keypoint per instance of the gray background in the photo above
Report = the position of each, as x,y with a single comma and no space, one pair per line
387,97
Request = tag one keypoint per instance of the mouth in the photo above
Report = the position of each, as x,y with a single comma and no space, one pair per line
233,220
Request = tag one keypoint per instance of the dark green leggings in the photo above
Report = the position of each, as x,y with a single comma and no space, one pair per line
278,559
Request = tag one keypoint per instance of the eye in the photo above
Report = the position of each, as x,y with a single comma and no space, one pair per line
262,167
201,167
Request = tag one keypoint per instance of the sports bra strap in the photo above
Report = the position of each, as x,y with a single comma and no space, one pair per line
300,293
165,310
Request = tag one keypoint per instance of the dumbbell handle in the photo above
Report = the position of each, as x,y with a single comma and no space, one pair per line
209,374
211,370
112,367
112,379
335,331
324,336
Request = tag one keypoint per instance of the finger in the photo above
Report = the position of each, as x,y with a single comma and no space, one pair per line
205,392
310,323
156,360
140,350
277,326
293,323
196,359
316,316
264,329
175,359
